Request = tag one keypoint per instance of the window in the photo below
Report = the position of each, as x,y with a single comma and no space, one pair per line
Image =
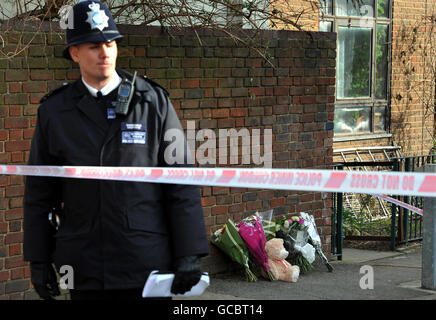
362,70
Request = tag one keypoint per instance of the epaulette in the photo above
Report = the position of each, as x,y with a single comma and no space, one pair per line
54,91
154,83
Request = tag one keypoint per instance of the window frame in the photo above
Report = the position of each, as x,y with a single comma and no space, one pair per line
371,101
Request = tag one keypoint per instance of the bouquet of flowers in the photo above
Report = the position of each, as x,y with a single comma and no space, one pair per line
294,233
251,230
230,242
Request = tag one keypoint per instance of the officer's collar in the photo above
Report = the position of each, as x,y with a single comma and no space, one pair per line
109,87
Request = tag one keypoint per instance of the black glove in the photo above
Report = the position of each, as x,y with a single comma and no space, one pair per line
187,274
43,277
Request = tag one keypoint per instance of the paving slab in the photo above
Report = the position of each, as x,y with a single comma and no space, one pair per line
396,276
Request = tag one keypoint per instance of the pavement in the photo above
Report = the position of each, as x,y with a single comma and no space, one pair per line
396,276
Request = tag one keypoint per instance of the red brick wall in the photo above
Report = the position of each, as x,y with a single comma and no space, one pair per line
219,85
413,76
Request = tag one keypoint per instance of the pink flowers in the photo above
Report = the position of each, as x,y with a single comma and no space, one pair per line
251,230
293,222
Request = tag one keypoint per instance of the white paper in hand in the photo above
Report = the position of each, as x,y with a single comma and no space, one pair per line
159,285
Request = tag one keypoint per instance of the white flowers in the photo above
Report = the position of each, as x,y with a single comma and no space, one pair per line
308,252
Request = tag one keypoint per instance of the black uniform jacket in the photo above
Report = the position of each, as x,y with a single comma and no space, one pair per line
112,233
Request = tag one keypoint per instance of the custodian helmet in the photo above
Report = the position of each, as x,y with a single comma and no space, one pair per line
92,22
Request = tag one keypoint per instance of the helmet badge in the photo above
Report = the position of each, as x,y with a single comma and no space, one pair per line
97,18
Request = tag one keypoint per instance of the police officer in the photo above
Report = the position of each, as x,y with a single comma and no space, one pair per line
111,234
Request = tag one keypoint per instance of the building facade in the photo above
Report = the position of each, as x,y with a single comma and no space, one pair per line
385,75
385,72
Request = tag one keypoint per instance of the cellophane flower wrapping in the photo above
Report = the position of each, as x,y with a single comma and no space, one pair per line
230,242
269,226
314,238
251,231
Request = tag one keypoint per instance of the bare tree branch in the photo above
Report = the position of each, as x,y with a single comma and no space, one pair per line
233,17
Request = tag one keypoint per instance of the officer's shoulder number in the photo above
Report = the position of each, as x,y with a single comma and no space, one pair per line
155,84
54,91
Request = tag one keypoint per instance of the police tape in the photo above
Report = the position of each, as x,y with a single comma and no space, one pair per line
400,203
395,183
374,183
419,184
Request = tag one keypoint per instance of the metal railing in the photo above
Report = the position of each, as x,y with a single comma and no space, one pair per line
410,224
406,226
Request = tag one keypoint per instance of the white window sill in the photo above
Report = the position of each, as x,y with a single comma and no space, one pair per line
369,136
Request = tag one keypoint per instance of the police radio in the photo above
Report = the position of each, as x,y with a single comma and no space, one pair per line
125,93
